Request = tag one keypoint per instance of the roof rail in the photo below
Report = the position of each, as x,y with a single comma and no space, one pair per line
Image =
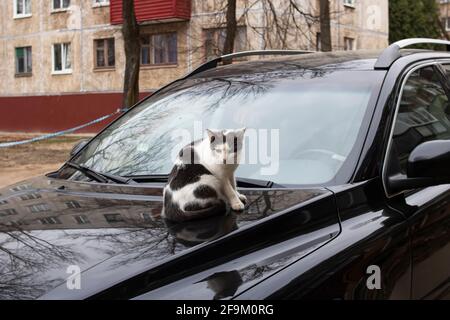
214,62
392,53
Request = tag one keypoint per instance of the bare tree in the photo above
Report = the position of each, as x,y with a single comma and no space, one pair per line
325,26
280,24
132,44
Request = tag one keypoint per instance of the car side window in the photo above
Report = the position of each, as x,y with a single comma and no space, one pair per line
424,114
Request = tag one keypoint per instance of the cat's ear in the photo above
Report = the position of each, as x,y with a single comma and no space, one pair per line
211,135
240,132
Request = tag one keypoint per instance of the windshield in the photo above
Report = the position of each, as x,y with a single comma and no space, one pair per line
301,125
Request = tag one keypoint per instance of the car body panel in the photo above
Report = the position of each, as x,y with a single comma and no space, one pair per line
130,246
372,235
430,225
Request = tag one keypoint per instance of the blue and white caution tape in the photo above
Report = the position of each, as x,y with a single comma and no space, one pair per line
60,133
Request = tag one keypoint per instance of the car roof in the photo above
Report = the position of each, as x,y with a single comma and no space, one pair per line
359,60
348,60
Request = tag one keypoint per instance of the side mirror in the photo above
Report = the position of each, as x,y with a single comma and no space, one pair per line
78,146
430,160
428,165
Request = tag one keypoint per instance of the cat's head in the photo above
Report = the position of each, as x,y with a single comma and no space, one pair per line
226,145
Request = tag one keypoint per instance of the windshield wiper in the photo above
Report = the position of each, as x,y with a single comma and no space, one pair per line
255,183
241,182
150,178
99,176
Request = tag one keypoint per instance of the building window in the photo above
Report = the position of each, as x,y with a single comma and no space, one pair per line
215,40
20,188
159,49
446,23
62,58
41,207
7,212
22,8
104,53
349,3
318,42
113,217
349,44
23,61
82,219
60,5
100,3
18,223
50,220
73,204
30,196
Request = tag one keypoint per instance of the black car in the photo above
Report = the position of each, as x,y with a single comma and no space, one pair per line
356,207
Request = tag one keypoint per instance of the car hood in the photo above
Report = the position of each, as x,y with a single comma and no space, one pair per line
113,234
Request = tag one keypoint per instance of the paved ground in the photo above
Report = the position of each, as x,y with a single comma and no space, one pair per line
25,161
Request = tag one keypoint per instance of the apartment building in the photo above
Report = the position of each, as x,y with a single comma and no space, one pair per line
62,61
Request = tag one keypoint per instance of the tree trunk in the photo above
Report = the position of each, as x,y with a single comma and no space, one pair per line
325,26
231,28
132,44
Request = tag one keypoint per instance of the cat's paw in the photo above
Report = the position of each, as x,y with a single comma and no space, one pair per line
237,206
242,198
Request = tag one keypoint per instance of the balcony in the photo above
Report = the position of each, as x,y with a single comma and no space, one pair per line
153,11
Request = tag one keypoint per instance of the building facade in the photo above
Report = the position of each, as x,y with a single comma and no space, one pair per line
62,61
444,8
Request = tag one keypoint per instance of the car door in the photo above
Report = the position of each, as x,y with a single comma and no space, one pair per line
424,115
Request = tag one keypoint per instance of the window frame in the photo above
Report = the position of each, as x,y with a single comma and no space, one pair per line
81,219
50,220
350,3
8,212
446,23
353,41
103,3
61,8
38,208
21,15
105,54
26,73
64,70
109,219
152,48
399,95
318,41
72,204
216,41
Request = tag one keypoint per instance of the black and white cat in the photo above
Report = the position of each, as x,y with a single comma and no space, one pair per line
202,180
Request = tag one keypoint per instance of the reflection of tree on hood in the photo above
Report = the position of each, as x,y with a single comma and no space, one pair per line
32,262
24,256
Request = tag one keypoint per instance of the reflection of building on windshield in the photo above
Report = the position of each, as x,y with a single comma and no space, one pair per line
424,114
